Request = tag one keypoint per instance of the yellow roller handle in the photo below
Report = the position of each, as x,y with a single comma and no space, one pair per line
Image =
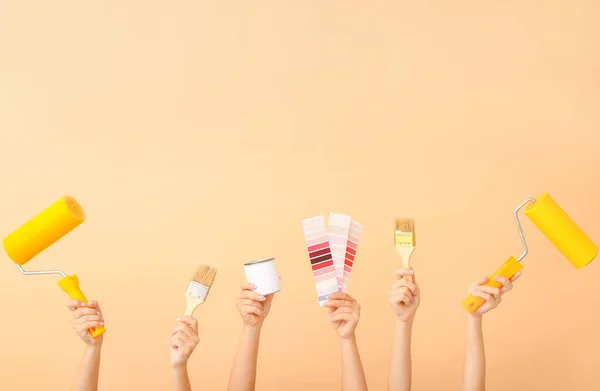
507,270
70,284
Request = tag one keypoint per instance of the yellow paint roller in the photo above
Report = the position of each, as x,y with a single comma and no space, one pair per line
558,227
41,232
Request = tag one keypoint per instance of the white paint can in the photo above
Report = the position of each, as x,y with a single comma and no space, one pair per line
263,274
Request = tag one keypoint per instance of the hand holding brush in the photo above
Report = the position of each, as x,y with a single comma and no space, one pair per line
405,296
184,337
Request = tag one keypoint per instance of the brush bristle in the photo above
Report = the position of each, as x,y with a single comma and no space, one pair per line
405,232
205,275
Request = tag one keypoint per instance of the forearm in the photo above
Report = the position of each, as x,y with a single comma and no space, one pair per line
400,363
243,372
353,374
86,377
475,355
181,381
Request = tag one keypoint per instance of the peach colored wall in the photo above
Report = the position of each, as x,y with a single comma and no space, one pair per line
205,131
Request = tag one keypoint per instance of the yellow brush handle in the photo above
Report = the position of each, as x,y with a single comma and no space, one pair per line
70,284
507,270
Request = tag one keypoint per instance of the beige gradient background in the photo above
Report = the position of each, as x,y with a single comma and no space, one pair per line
205,131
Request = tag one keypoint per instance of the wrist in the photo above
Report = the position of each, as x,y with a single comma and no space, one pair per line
474,322
252,329
179,368
93,348
351,338
405,322
474,318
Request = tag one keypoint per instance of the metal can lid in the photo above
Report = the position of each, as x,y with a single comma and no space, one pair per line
259,261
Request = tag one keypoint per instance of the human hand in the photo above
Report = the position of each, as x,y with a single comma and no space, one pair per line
84,317
184,339
491,295
405,295
253,307
344,313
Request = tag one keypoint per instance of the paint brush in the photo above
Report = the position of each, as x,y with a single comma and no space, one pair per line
198,288
405,240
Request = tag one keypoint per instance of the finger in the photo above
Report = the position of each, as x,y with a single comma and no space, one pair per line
338,303
74,304
344,310
246,302
79,312
402,298
488,289
400,284
408,284
506,284
481,281
185,329
402,291
90,325
404,272
344,316
341,296
187,340
248,286
514,278
179,343
190,321
179,330
253,310
483,295
252,296
94,304
88,318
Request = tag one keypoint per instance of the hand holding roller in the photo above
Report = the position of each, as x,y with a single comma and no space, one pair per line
558,227
41,232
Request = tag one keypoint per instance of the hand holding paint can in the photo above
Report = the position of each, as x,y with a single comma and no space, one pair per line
263,274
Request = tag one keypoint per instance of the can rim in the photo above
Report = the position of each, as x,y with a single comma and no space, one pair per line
262,260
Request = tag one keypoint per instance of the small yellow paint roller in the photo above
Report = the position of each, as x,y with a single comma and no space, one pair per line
41,232
558,227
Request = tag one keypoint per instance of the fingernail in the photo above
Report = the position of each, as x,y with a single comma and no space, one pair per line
178,319
497,278
262,298
253,286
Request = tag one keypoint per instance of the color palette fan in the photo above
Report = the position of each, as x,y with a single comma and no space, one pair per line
331,251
